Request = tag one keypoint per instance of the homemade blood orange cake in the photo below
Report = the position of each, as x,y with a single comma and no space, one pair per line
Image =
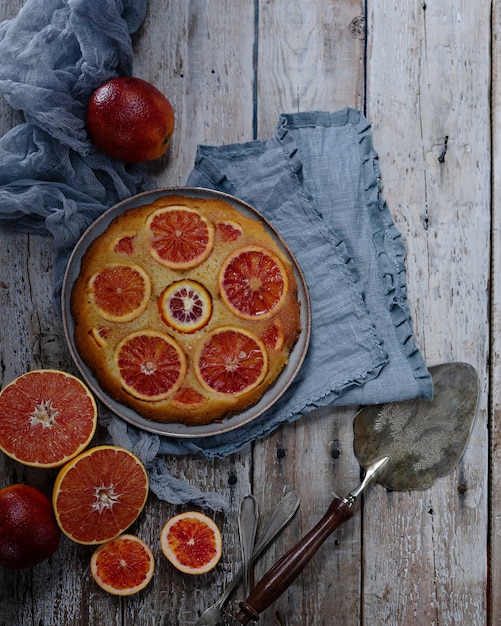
185,310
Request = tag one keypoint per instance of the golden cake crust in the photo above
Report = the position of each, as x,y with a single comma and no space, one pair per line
127,242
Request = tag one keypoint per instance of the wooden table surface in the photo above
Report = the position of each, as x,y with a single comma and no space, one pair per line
425,75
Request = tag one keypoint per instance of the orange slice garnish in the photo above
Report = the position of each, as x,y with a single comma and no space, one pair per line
152,365
180,238
253,282
185,305
231,361
120,292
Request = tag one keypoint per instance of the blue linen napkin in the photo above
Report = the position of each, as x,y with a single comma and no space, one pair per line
316,179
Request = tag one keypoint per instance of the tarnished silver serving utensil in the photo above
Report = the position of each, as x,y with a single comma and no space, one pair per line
282,515
403,445
247,527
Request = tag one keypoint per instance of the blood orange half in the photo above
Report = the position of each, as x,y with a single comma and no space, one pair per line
191,542
46,418
231,361
185,305
152,365
253,282
99,494
180,238
120,292
123,566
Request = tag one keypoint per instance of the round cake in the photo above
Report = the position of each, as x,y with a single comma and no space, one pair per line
185,310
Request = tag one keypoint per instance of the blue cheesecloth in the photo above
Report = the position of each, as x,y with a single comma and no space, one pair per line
316,180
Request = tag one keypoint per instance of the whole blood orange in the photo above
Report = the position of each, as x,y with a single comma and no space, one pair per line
191,541
123,566
231,361
28,530
130,120
99,494
253,282
46,418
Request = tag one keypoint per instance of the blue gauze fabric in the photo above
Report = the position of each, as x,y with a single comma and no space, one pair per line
54,54
316,180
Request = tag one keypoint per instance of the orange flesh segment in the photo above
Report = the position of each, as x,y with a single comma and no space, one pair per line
123,566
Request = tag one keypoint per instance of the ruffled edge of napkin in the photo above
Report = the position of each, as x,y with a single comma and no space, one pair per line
392,257
387,241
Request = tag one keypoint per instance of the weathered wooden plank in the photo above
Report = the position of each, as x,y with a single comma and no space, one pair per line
310,57
428,79
495,452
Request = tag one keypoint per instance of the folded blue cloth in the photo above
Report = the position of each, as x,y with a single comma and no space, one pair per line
316,179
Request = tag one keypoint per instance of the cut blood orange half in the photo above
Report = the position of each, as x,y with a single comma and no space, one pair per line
180,238
99,494
191,541
231,361
152,365
185,305
253,282
120,292
46,418
123,566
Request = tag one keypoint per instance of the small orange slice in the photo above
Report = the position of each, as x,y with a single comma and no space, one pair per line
125,244
232,361
120,292
229,230
253,282
274,336
191,541
99,494
185,306
46,418
100,335
123,566
180,238
152,365
188,395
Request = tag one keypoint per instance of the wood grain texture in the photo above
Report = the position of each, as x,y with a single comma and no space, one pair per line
230,68
495,406
428,80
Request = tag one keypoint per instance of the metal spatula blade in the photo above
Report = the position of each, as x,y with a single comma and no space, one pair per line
424,439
